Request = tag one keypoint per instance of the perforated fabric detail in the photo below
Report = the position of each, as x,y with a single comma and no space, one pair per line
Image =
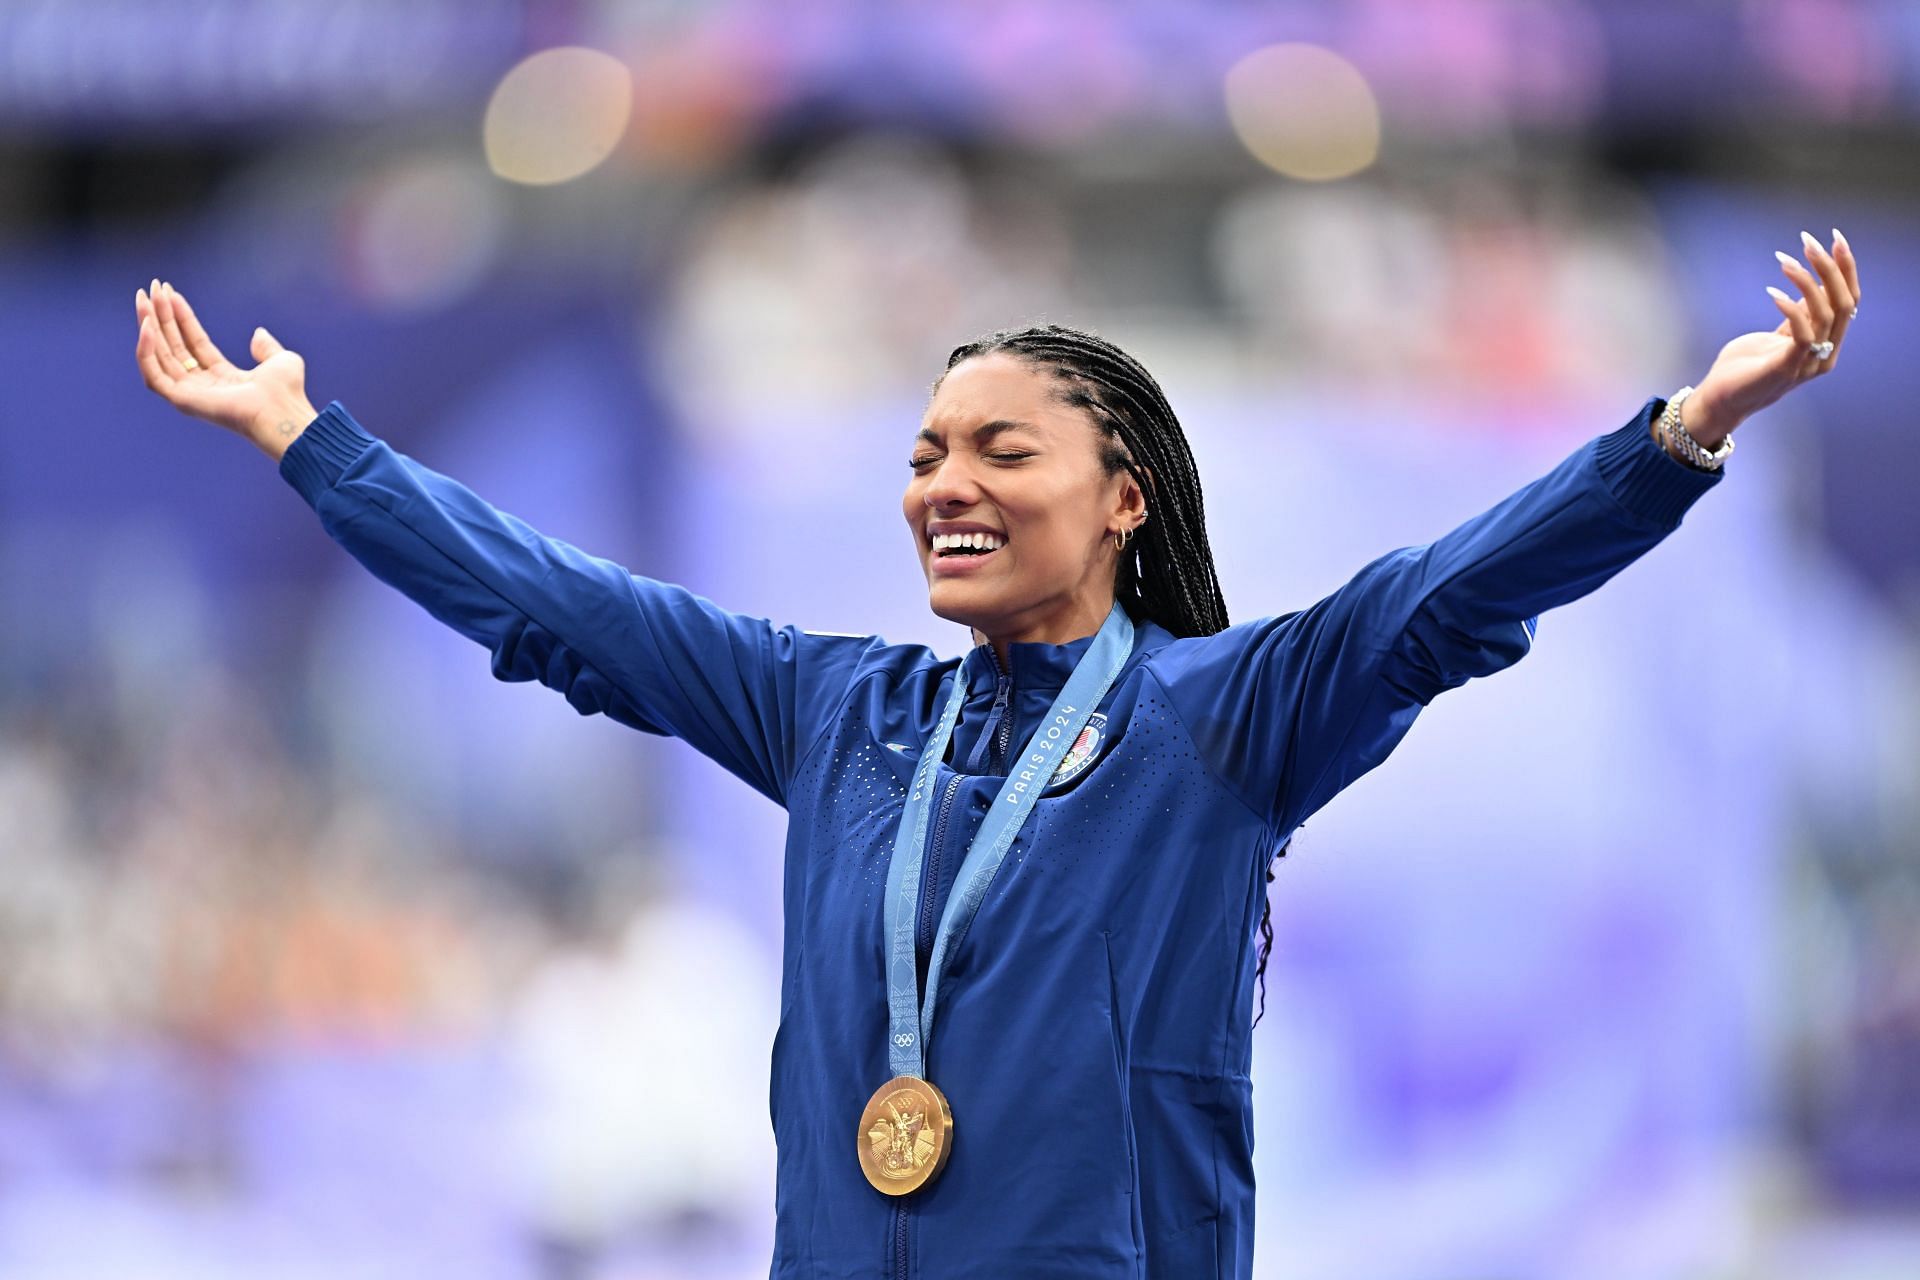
1147,783
864,797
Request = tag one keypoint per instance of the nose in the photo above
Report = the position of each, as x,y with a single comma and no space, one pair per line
952,483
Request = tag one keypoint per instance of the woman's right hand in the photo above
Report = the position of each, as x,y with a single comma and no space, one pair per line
266,404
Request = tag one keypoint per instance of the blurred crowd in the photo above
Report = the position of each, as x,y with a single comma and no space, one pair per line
323,953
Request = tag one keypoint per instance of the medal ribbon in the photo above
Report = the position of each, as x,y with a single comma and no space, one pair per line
909,1025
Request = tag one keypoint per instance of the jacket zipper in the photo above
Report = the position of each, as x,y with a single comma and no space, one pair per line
999,731
999,727
923,933
900,1240
1006,732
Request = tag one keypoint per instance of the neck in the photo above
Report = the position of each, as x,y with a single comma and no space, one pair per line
1077,625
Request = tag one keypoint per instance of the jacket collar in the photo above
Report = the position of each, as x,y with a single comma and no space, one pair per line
1035,664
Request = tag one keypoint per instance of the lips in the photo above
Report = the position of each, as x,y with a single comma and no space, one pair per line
950,562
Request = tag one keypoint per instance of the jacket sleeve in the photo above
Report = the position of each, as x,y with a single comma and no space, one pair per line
1290,709
648,654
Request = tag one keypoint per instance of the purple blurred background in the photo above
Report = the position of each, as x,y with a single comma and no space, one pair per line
323,953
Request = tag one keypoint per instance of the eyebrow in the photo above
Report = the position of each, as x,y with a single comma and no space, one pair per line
982,433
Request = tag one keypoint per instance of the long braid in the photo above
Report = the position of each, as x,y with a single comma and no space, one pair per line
1166,574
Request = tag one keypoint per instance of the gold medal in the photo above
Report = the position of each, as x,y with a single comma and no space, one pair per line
905,1134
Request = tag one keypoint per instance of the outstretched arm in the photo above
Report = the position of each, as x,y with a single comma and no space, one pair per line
1290,709
647,653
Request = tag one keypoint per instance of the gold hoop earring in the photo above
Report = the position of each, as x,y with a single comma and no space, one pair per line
1120,540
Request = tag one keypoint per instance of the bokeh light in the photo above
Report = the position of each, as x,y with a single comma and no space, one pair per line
557,115
1304,111
421,233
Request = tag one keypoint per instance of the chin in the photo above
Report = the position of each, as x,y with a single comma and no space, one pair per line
961,606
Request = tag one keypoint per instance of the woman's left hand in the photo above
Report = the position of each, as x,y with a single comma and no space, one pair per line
1756,369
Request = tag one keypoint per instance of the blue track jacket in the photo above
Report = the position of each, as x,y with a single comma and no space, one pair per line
1093,1030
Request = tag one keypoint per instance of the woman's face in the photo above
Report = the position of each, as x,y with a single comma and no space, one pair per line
1000,453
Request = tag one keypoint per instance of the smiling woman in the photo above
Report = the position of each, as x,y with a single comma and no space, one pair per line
1029,472
1072,821
1061,442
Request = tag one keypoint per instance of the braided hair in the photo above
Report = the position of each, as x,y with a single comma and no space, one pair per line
1166,572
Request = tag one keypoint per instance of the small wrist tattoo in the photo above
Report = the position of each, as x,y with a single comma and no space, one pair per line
288,426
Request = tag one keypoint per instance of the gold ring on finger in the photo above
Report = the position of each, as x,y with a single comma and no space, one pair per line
190,363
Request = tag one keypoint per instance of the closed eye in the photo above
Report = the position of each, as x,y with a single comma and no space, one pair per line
917,463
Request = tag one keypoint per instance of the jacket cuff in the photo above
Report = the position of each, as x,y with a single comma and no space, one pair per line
1643,477
320,454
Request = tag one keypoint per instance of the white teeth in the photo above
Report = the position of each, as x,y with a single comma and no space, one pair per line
983,541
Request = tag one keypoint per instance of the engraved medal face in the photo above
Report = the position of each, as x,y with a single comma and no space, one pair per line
905,1134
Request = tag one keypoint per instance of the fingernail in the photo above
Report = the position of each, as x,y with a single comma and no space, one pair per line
154,287
1786,259
1776,293
1842,239
1812,244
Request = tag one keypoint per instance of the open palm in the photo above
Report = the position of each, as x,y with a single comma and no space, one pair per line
181,364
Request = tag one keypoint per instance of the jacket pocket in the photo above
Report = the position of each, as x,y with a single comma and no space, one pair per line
1191,1255
782,1035
1120,1080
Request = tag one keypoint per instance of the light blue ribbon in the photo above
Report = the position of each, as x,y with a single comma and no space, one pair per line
908,1024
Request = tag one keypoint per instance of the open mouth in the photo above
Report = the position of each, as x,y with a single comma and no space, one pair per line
966,545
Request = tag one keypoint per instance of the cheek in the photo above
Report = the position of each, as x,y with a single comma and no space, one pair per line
1046,543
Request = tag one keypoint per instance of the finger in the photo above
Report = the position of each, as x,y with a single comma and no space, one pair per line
1835,320
163,352
1819,301
197,340
170,328
1840,289
146,352
1798,322
144,308
1803,279
1843,254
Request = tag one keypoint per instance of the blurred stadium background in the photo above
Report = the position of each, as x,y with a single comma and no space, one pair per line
324,954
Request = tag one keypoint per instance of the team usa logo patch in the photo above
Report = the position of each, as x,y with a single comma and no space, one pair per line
1081,753
1072,765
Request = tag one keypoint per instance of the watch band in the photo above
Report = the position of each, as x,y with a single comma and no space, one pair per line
1697,455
